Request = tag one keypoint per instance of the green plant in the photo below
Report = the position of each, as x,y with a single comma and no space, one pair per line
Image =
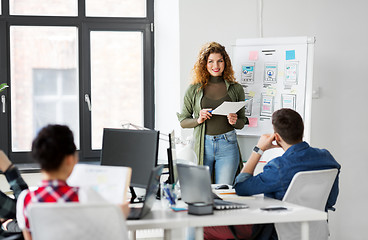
3,86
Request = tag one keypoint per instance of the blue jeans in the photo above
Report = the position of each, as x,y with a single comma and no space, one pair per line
221,154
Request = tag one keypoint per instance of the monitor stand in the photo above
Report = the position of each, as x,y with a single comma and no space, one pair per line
134,195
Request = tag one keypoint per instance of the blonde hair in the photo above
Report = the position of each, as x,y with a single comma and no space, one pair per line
200,72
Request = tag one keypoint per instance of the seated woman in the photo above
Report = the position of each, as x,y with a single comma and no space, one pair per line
55,150
7,204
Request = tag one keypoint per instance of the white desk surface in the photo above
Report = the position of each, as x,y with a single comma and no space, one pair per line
166,218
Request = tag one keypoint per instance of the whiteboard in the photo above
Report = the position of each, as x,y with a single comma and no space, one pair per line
275,73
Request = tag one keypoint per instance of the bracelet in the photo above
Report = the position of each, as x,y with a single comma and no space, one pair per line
11,165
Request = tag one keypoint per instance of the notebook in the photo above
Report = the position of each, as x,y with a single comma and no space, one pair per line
151,191
195,186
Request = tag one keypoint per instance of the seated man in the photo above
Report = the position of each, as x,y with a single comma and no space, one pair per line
7,204
278,173
55,150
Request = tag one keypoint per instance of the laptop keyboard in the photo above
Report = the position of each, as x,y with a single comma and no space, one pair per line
215,196
219,204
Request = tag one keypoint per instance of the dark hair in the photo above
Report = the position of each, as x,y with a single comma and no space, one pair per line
52,144
289,124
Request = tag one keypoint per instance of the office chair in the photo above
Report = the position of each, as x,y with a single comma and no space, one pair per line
76,221
310,189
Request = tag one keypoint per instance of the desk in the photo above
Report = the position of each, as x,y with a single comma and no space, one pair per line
170,220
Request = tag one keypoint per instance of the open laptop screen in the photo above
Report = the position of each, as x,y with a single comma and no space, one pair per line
195,183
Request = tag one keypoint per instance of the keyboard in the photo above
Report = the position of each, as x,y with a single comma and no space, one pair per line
219,204
215,196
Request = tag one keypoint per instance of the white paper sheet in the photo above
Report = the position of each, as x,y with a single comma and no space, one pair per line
110,182
228,107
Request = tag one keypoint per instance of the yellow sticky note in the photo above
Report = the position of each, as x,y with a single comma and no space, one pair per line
281,74
271,91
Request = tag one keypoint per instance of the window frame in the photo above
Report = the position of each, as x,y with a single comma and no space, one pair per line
84,25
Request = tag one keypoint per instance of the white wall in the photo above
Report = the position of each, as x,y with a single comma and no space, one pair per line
338,117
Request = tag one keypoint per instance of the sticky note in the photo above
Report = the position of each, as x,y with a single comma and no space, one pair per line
251,93
253,122
281,74
271,91
290,55
253,55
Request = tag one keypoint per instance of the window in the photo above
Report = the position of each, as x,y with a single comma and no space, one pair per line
55,100
42,84
44,7
118,77
76,62
116,8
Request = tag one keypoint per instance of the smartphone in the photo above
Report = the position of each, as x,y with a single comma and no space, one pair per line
274,208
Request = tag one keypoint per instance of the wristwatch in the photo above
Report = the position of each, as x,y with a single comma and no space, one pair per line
257,150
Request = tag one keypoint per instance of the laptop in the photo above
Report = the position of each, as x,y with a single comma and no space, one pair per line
195,186
151,191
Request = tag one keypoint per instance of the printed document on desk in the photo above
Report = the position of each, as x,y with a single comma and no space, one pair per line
228,107
111,182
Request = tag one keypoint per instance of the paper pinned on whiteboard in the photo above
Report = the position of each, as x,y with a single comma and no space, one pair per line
228,107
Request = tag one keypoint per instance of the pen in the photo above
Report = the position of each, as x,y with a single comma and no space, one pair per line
210,111
170,198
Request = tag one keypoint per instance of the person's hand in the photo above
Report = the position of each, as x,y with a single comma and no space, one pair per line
265,142
4,161
204,114
232,118
125,209
5,224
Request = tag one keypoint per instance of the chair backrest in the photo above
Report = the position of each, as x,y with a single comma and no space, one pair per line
310,189
76,221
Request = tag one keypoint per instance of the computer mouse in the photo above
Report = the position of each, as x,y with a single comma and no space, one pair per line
224,186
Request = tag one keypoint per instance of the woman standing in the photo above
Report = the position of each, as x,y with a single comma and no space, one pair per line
215,138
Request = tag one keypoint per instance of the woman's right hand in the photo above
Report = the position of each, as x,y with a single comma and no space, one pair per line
204,114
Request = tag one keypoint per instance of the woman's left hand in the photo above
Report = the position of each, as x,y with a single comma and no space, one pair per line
232,118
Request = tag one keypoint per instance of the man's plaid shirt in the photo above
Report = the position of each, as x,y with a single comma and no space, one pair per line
49,191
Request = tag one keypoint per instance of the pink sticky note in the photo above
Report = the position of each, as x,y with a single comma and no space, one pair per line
266,108
253,122
253,55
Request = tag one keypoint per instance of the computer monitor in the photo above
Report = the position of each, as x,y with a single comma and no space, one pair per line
137,149
171,158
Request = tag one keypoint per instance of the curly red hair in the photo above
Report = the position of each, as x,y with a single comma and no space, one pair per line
200,72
